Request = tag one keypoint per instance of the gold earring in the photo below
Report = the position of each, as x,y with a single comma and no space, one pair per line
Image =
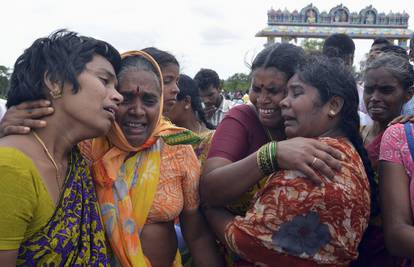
186,106
56,92
331,114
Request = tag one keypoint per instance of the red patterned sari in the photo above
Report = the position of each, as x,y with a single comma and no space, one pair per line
294,222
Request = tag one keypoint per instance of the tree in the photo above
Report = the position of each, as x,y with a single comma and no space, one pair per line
312,46
238,81
4,81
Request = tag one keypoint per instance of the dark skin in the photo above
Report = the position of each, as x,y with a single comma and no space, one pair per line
394,187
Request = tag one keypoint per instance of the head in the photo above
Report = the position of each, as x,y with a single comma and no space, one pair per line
140,83
270,72
208,83
76,73
340,45
188,103
388,82
395,49
321,95
376,47
170,69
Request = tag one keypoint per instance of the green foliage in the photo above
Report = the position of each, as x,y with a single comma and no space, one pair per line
4,80
312,46
238,81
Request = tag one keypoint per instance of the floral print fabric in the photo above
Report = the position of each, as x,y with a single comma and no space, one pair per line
294,222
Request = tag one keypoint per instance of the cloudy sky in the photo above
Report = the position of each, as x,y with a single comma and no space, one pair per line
217,34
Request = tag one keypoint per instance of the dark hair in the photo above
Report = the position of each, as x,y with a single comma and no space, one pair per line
395,49
188,87
338,45
331,78
61,57
399,67
163,58
284,57
137,63
205,78
381,40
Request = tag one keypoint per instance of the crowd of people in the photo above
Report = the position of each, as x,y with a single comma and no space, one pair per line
110,159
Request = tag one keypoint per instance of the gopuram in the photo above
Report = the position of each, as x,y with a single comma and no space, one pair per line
310,23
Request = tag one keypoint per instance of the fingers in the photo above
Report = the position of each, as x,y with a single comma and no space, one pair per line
34,123
322,167
310,173
402,119
15,130
33,104
328,150
38,112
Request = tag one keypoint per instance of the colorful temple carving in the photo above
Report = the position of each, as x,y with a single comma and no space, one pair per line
310,23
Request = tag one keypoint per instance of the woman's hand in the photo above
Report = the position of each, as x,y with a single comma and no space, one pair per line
22,118
402,119
308,155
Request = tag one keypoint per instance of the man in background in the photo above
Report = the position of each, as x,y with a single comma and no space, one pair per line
215,104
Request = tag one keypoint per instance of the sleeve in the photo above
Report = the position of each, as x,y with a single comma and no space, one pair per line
392,143
18,201
231,139
191,179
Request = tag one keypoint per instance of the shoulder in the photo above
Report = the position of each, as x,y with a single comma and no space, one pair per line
396,131
242,113
13,158
177,152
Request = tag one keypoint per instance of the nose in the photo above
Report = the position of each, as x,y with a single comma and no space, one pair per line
375,96
284,103
136,109
115,96
263,98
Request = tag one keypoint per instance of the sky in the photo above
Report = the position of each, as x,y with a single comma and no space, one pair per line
216,34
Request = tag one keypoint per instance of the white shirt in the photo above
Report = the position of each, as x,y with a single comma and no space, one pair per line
3,108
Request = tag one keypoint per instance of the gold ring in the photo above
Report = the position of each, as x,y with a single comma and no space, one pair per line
313,161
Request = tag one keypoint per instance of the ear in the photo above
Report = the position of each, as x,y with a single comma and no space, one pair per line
335,105
54,88
409,94
187,102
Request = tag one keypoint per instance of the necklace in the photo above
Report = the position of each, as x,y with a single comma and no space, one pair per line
268,133
51,159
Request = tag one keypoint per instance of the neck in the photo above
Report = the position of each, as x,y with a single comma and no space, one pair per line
378,127
333,132
276,134
220,100
192,123
61,135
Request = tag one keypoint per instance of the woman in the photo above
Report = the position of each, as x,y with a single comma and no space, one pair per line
396,173
230,173
396,189
188,113
50,215
294,222
146,178
170,69
388,86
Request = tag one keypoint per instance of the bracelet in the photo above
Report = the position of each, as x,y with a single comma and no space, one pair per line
266,158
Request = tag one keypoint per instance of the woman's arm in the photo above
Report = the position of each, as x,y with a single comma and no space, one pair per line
159,243
396,209
8,258
223,181
25,116
199,239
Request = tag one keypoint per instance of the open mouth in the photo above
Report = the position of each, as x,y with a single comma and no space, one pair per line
134,127
111,111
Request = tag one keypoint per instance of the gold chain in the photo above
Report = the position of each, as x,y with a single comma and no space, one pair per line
50,157
268,133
